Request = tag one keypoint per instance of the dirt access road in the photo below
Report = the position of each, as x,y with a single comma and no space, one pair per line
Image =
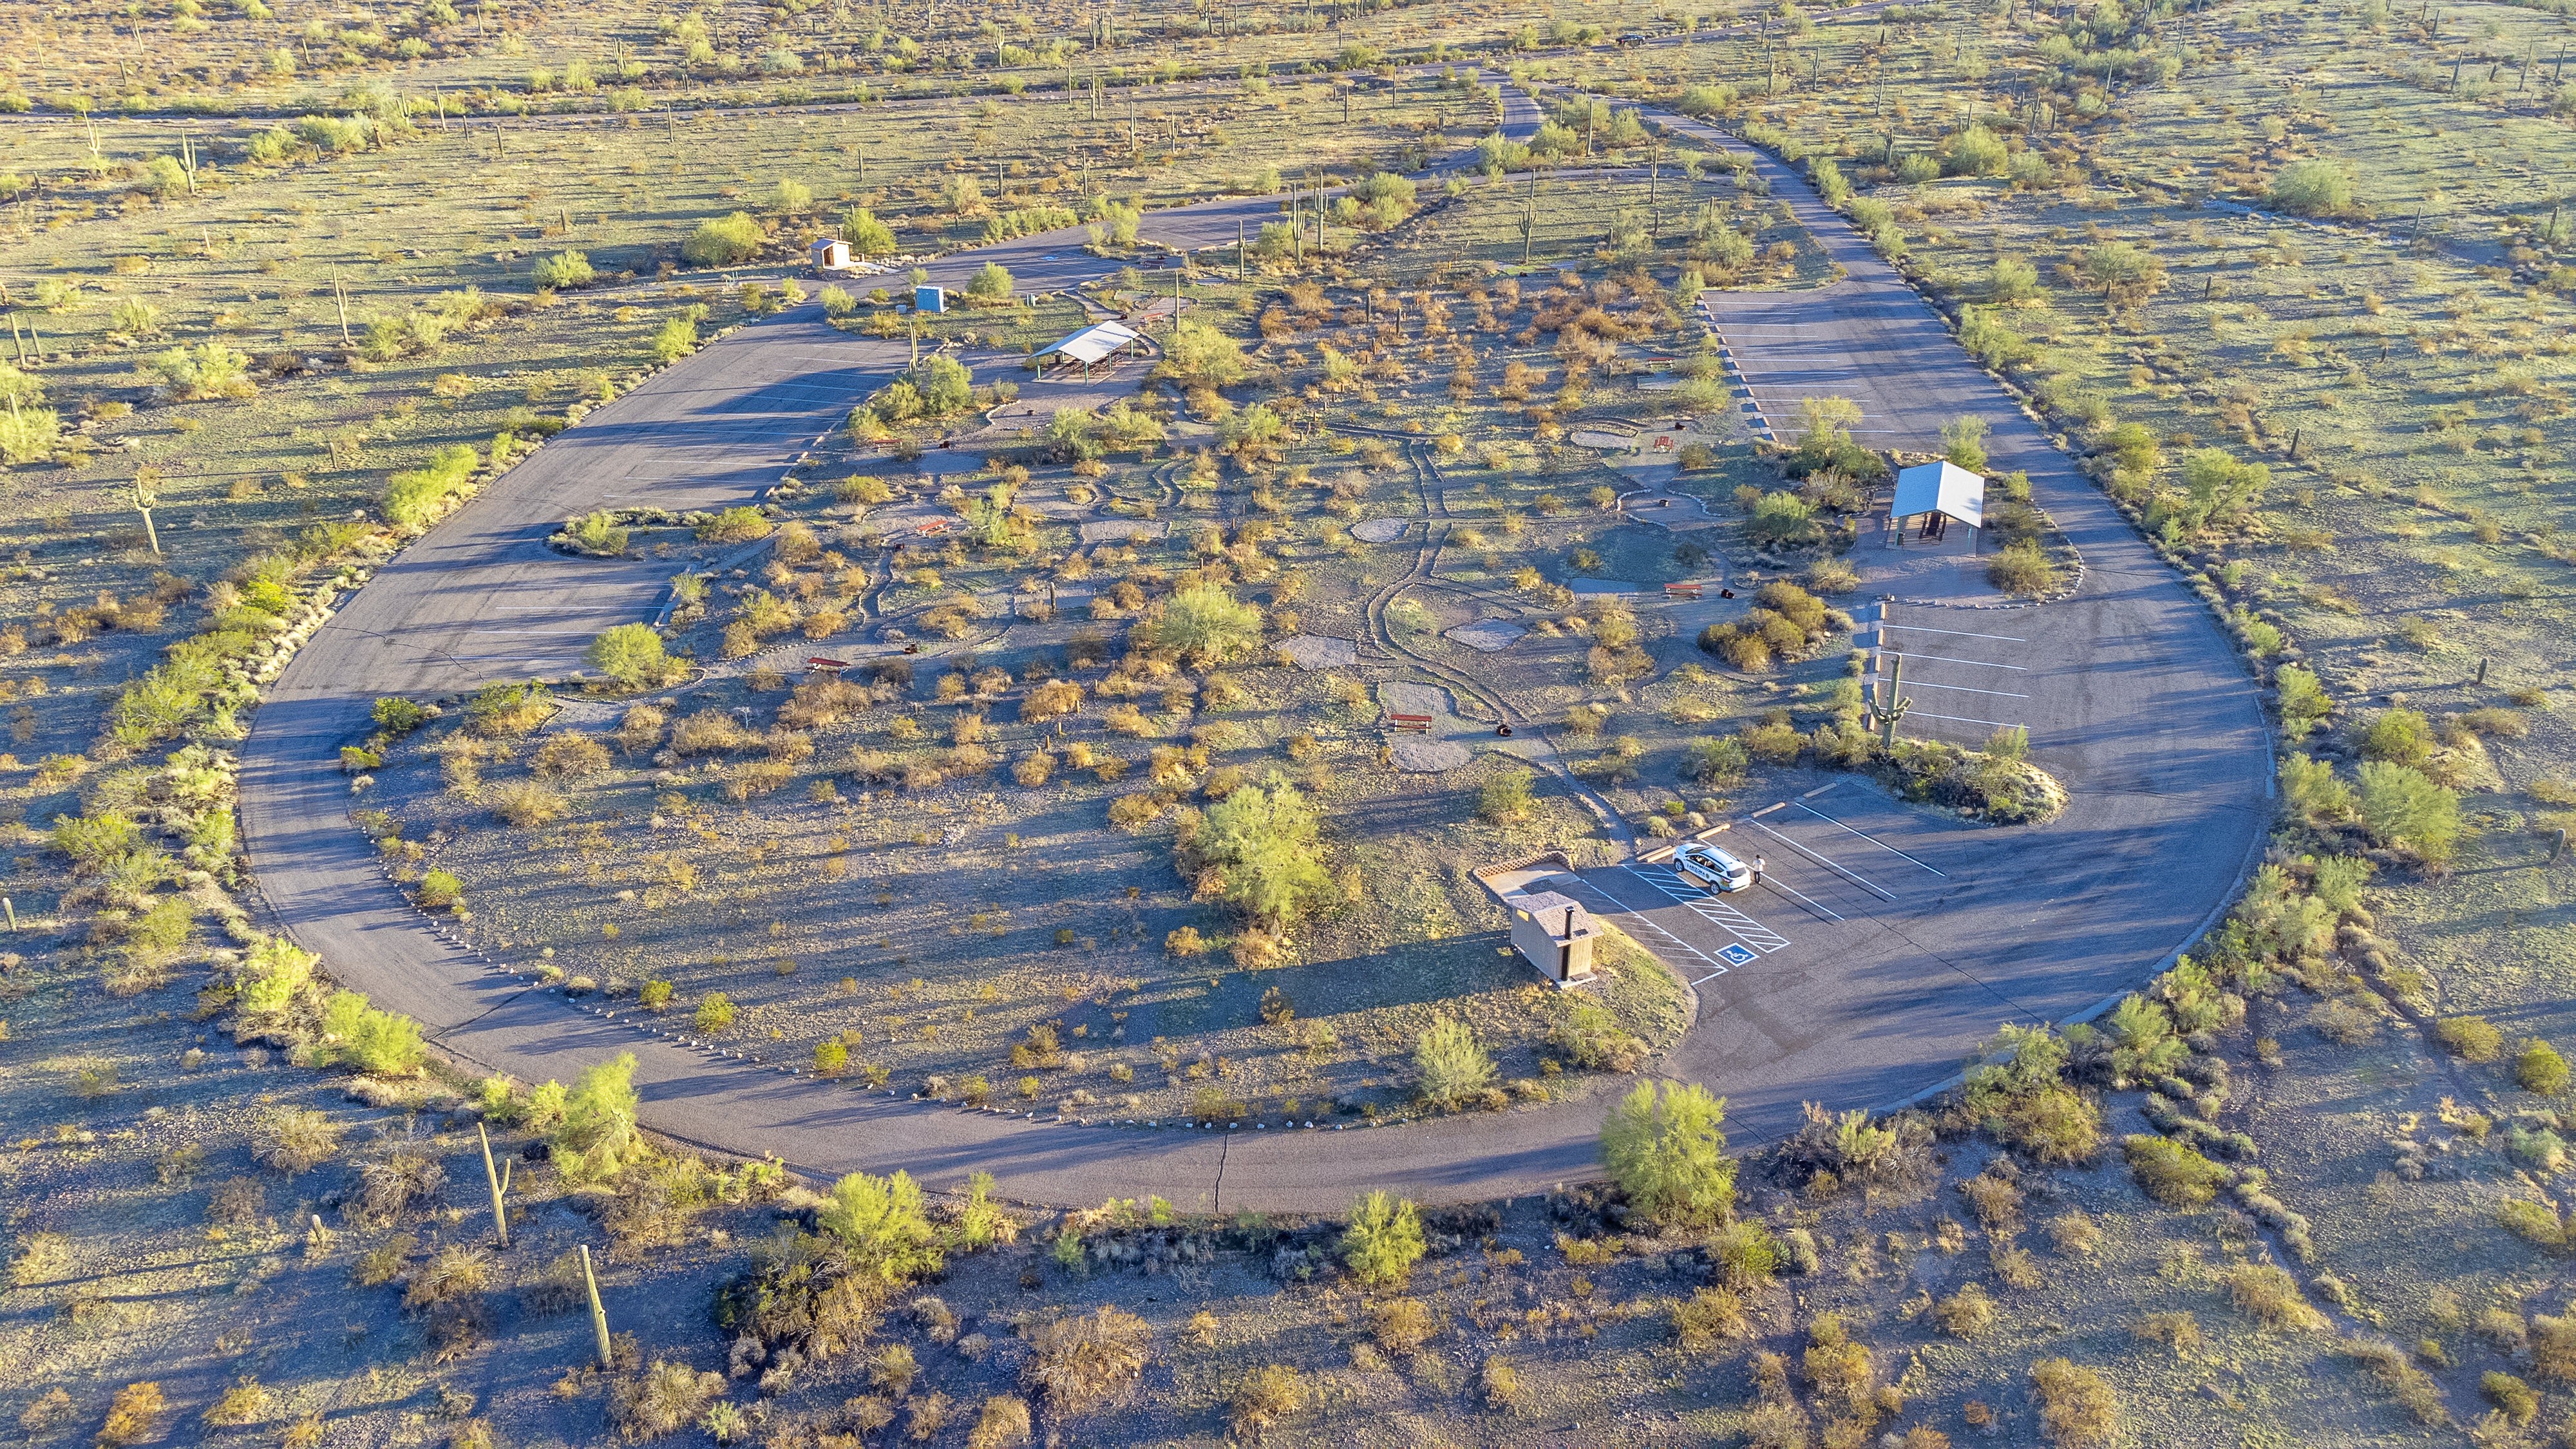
2151,723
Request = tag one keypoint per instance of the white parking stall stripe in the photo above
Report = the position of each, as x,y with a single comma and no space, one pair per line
1963,689
1978,663
1872,839
1717,913
1852,876
1814,905
1580,882
1963,719
1962,633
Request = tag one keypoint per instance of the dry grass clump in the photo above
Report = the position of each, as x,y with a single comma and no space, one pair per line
2171,1173
1051,700
2074,1234
893,1370
640,728
133,1415
1003,1424
2553,1349
1711,1315
2412,1386
2512,1397
235,1201
571,755
2270,1296
1968,1313
391,1183
454,1272
1266,1396
382,1263
1082,1363
709,732
930,1414
662,1398
1402,1326
244,1403
1997,1202
2178,1331
2076,1406
294,1139
2345,1021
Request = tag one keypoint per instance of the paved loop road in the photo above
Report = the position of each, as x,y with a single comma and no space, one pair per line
2146,716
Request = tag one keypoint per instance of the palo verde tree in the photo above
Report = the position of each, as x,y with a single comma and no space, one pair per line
1257,849
1383,1240
1204,624
631,654
1665,1151
597,1136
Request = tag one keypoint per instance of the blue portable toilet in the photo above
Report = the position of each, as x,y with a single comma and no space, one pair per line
930,299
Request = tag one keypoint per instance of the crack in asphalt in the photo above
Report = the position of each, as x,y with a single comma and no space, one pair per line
466,1024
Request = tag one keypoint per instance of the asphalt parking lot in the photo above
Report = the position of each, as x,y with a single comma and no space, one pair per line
1883,942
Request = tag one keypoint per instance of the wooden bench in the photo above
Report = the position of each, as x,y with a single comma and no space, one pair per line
1419,724
1682,591
817,664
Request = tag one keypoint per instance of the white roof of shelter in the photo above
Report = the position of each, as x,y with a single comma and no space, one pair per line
1092,343
1944,488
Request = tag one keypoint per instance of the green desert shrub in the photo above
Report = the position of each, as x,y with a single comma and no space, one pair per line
724,241
2172,1173
1663,1146
2469,1038
1454,1070
1382,1241
2537,1067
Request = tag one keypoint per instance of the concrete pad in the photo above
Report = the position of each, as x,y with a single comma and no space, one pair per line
1416,699
1379,530
1120,530
1422,756
1313,651
1943,571
1486,636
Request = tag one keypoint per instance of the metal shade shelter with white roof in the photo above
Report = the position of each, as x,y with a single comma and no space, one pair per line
1094,344
1944,489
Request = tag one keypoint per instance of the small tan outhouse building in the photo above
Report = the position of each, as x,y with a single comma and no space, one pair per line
1555,934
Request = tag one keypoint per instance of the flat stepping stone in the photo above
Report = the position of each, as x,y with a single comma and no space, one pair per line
1379,530
1119,530
1424,756
1428,699
1486,636
1314,651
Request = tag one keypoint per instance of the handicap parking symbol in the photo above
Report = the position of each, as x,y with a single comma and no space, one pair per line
1736,955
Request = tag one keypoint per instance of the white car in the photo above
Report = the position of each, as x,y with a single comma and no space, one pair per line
1713,868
